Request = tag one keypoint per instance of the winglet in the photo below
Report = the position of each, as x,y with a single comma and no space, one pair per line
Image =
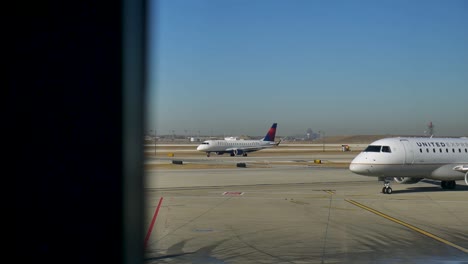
270,136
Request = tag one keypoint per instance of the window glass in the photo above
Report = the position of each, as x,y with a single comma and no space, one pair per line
372,148
386,149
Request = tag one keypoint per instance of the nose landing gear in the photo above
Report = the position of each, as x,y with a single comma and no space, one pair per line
387,189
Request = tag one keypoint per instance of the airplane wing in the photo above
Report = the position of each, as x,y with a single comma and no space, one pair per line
246,149
463,169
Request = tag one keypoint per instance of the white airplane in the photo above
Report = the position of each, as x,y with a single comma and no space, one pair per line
410,159
239,147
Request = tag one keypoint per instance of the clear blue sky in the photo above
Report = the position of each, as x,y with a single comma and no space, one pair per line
234,67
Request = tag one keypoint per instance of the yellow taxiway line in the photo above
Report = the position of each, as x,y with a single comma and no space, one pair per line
419,230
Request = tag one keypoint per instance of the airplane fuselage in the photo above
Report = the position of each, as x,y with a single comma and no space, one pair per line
431,158
239,147
236,147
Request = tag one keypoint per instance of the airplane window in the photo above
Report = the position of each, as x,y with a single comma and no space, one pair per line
453,150
372,148
440,150
427,150
433,150
420,150
386,149
446,150
459,150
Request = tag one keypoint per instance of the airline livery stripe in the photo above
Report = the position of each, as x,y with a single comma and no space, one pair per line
407,225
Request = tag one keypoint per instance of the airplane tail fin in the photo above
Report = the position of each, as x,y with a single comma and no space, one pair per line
270,136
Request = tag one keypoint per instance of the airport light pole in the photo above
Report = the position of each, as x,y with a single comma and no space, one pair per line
322,133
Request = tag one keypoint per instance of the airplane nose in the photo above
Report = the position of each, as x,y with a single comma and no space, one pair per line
359,169
201,147
356,167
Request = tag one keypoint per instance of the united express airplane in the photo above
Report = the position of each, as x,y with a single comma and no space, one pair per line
239,147
408,160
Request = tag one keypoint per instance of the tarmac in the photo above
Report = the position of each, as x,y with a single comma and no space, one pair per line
293,210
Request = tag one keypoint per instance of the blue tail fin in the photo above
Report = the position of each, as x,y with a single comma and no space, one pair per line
270,136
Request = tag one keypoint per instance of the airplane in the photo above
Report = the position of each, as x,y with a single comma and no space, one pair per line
408,160
239,147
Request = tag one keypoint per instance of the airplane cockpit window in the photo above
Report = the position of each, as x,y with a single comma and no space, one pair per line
386,149
372,148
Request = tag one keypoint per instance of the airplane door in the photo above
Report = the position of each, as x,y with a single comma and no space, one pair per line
409,152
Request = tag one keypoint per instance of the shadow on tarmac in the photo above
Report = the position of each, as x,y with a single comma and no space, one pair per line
458,188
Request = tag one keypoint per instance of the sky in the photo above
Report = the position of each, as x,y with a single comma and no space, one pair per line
234,67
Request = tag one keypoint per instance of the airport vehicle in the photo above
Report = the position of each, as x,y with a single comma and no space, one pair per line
410,159
239,147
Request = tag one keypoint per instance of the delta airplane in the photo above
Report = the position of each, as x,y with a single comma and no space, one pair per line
410,159
239,147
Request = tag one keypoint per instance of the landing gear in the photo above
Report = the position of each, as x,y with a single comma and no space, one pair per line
245,154
448,184
207,154
387,189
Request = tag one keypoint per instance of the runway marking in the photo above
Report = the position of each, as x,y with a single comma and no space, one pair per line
233,193
150,229
329,191
407,225
298,202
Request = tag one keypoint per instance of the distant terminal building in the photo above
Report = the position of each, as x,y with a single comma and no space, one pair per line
310,135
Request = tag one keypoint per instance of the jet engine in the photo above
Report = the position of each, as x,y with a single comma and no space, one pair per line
407,180
238,152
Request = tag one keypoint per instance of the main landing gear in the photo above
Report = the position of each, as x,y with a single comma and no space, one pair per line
387,189
448,184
